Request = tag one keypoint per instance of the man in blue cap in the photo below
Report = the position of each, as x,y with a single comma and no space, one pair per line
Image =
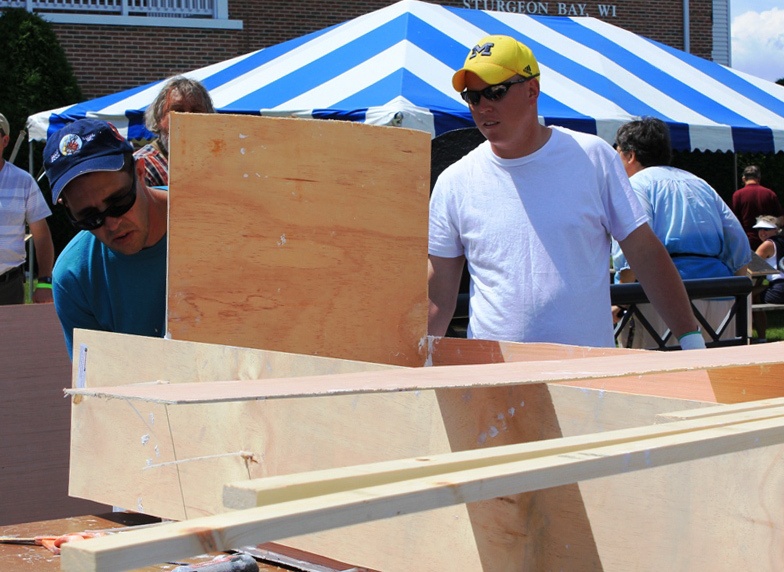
112,275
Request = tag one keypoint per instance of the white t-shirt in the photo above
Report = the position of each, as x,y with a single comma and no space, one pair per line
20,201
536,233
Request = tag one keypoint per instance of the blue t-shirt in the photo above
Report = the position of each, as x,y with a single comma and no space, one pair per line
96,288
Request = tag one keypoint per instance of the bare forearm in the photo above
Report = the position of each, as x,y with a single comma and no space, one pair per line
443,286
661,281
44,249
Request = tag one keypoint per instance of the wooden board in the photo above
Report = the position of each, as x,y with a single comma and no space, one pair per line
112,359
299,235
334,498
32,558
110,453
34,418
754,371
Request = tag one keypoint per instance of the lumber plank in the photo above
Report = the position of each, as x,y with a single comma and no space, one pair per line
408,492
271,490
750,359
277,241
761,405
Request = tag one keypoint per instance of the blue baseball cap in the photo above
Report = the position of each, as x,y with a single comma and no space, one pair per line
84,146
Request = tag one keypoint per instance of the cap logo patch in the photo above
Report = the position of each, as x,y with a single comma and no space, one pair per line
70,144
528,70
483,50
116,133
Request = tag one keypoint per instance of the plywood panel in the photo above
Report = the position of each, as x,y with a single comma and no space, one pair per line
34,417
207,443
312,502
299,235
113,359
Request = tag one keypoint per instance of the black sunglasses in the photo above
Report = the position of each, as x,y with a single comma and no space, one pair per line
117,207
491,92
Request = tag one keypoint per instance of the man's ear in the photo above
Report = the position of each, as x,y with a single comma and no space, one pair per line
140,167
533,87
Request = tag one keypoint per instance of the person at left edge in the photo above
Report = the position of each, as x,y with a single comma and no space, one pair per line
112,275
21,202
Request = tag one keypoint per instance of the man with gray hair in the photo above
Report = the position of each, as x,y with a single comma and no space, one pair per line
698,229
179,94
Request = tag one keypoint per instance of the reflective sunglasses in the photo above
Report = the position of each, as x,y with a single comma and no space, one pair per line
118,206
492,92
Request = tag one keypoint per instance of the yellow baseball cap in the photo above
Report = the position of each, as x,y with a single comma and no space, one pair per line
495,59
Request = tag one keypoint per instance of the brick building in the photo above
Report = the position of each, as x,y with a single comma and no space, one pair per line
119,44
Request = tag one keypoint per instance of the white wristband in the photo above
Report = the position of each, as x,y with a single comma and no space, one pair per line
692,341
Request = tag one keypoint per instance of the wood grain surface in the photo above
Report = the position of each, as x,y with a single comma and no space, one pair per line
299,235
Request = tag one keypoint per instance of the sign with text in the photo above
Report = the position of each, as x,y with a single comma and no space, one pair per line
543,8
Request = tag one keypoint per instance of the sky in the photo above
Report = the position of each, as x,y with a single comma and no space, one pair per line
758,37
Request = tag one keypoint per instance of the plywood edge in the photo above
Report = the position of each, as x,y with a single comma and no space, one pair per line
107,359
751,358
459,351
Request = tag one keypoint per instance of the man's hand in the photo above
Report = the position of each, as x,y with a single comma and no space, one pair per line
42,296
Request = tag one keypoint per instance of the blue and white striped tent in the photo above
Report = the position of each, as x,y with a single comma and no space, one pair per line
394,67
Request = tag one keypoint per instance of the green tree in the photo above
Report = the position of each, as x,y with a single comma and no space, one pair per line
34,76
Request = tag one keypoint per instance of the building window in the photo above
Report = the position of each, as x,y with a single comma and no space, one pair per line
170,13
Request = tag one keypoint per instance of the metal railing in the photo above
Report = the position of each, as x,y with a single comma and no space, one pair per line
156,8
630,296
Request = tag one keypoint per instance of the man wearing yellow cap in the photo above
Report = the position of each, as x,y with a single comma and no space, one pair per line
532,211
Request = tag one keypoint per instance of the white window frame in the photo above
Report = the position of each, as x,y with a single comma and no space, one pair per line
212,14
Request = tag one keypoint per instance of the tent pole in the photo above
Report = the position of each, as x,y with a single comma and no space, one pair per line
30,247
686,31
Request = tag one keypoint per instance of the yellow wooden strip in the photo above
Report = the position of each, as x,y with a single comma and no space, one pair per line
265,491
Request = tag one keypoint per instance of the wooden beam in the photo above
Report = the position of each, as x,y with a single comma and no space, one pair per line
472,477
751,359
691,429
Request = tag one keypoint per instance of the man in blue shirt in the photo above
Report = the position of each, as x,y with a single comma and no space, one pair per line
112,275
696,226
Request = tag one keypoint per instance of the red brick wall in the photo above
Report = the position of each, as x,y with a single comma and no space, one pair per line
107,59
